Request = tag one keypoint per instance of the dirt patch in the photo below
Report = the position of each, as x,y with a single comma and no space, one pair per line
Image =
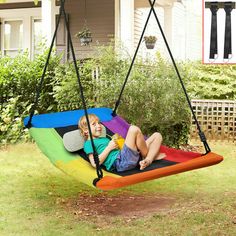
122,205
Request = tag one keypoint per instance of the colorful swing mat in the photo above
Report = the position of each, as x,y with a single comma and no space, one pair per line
48,129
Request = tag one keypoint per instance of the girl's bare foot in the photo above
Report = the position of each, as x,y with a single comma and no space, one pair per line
160,156
144,163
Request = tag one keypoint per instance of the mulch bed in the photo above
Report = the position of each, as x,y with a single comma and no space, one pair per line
122,205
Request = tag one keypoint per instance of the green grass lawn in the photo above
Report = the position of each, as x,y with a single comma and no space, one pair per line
204,200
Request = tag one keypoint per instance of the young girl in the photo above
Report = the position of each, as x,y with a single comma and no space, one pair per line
134,149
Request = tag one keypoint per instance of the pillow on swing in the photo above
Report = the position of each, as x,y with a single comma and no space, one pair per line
74,140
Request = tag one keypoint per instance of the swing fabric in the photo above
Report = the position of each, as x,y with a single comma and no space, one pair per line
48,130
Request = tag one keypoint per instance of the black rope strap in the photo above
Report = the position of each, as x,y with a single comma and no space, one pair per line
39,87
132,63
213,37
95,155
62,12
201,134
228,7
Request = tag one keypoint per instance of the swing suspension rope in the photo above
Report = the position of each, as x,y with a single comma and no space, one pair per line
201,134
132,63
95,154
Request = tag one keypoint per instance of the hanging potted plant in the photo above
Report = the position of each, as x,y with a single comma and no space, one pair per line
150,41
85,36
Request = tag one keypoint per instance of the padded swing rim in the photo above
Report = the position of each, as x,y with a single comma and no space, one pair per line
110,182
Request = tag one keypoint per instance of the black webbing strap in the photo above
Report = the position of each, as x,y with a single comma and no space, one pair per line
201,134
95,155
62,12
228,6
39,87
132,63
213,37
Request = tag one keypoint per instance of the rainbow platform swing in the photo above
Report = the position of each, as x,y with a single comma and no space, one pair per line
48,131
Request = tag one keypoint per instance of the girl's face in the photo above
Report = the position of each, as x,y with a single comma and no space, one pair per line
96,128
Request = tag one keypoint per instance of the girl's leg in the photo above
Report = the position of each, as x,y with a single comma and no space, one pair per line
154,138
149,149
153,144
135,140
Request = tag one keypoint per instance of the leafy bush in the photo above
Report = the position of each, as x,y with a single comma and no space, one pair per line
19,78
11,124
66,91
154,100
211,81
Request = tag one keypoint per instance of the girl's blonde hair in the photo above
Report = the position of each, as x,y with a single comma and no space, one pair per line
83,126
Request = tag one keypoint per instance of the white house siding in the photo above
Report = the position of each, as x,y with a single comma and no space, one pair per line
178,31
141,15
183,35
100,17
193,29
182,27
187,30
138,27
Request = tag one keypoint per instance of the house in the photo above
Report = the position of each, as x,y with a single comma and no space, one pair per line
24,24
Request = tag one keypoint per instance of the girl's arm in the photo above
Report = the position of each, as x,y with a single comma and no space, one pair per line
102,157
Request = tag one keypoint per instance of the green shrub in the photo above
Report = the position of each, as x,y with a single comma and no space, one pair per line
66,91
19,78
11,124
154,100
211,81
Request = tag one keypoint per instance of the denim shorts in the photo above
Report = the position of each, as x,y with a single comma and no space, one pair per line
127,159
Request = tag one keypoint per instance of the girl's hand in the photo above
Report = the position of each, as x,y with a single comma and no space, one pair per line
112,145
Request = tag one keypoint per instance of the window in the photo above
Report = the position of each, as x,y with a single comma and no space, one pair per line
36,36
13,37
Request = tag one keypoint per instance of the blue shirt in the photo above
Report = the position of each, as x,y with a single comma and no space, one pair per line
100,144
